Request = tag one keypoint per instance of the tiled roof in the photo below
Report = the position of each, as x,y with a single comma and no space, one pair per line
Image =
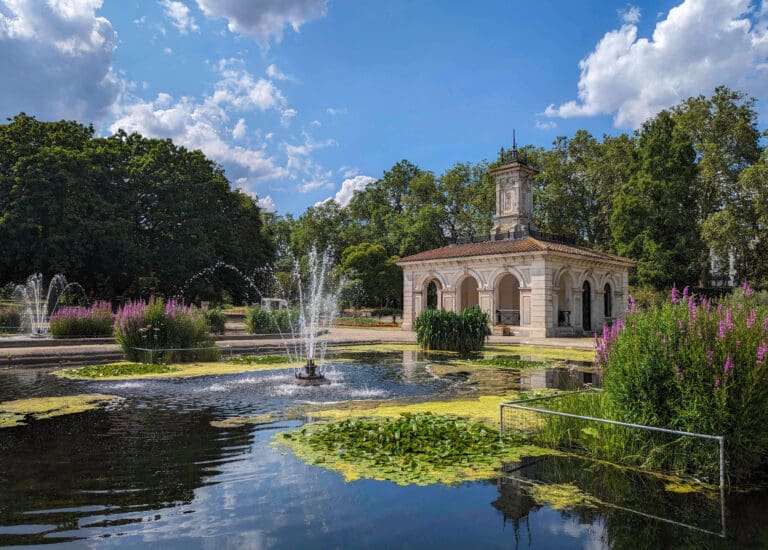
512,246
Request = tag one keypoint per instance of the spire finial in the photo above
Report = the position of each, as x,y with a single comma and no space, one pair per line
514,140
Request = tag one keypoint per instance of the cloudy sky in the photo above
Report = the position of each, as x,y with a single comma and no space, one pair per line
302,100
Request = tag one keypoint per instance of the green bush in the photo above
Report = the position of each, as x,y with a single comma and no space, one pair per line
10,319
265,321
691,366
216,320
169,332
82,322
446,330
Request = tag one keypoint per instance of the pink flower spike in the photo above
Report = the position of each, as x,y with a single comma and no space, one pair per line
728,365
717,383
747,289
674,298
761,352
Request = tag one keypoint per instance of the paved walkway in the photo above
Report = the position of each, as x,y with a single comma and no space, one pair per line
27,352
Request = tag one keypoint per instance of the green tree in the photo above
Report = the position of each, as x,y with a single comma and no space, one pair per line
654,213
724,133
380,277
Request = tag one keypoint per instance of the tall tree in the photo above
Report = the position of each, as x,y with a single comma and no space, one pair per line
654,214
724,133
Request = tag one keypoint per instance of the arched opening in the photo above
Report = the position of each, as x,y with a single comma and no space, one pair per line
586,306
564,300
468,294
433,289
607,301
508,301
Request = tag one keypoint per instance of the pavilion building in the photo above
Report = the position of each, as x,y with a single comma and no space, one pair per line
529,283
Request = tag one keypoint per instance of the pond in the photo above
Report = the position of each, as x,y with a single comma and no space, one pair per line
153,470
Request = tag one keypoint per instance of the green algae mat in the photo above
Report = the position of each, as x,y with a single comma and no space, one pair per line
16,413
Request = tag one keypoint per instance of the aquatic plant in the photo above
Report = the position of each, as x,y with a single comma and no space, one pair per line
18,412
512,363
166,331
76,322
692,366
258,360
416,448
446,330
119,369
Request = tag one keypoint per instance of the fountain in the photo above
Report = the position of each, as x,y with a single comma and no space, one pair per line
210,270
317,309
37,308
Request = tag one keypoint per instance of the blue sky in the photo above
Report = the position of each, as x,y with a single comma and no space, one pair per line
305,100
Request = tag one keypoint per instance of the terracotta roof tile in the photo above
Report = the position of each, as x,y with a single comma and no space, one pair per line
513,246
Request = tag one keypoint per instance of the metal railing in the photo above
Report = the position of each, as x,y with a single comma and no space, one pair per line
528,411
508,317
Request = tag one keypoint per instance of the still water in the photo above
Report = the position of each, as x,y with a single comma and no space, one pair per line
153,471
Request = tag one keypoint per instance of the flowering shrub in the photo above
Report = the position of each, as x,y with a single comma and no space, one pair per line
78,322
694,366
168,331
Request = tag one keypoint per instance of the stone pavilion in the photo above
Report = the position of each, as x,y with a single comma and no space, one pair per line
529,283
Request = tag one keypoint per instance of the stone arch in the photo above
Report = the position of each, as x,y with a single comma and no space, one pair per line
499,273
507,299
433,291
585,275
467,291
423,280
566,269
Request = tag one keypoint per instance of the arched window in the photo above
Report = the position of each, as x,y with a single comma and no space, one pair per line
432,295
607,301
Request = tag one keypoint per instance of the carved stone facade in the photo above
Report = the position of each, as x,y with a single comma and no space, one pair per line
528,286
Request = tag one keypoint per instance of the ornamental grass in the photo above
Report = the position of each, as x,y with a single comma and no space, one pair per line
445,330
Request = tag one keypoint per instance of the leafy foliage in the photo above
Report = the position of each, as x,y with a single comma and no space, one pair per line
267,321
446,330
412,448
10,319
119,369
78,204
167,330
216,320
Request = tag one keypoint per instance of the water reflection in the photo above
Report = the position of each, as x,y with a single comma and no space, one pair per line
154,471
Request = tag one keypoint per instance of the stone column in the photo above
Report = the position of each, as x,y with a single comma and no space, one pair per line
408,301
486,303
449,300
541,305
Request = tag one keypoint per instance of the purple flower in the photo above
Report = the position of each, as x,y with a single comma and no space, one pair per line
685,293
675,298
751,318
728,365
721,331
747,290
717,383
729,319
632,305
693,310
761,351
710,356
681,326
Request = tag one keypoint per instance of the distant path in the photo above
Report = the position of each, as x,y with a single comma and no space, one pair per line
18,352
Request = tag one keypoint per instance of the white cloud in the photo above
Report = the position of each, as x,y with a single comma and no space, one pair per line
348,171
267,203
240,129
299,160
316,124
178,13
333,111
630,15
546,125
265,20
349,186
168,51
276,74
205,123
698,46
56,60
240,90
287,116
